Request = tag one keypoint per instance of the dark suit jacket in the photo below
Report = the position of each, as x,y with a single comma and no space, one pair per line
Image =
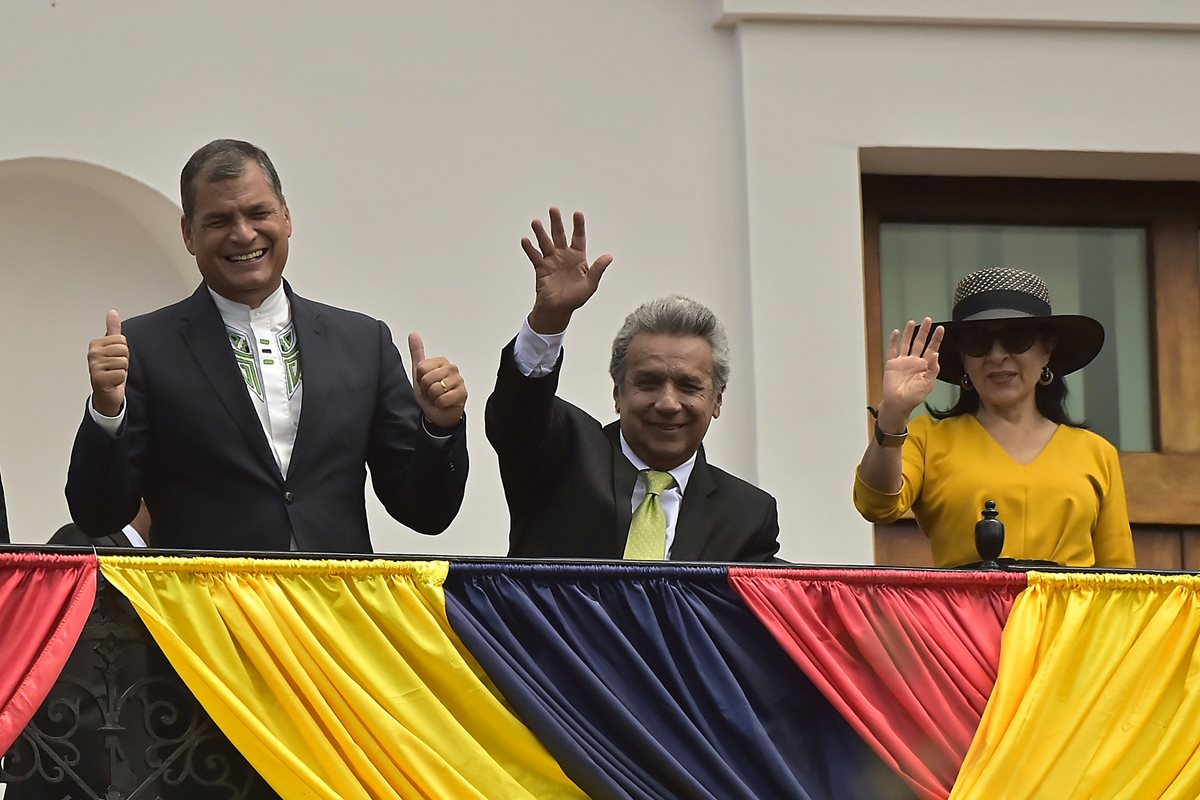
4,539
568,485
193,446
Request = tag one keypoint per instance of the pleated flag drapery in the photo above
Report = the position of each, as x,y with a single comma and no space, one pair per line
657,682
909,657
338,680
1098,693
384,679
44,602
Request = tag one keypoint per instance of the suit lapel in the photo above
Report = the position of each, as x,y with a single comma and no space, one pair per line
203,331
695,525
317,371
624,476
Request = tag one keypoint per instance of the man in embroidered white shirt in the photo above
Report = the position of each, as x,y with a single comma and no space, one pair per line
246,415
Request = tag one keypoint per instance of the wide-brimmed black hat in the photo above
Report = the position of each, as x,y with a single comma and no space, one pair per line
1015,296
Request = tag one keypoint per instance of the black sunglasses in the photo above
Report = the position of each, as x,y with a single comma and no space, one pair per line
977,342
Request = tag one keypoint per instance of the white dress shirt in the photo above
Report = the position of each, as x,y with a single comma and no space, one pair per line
133,536
669,499
264,343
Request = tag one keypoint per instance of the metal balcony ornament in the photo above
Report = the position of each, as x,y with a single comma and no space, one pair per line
989,536
119,724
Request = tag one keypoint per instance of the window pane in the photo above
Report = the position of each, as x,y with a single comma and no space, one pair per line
1100,272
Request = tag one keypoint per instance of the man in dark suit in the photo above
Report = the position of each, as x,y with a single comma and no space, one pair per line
638,488
247,415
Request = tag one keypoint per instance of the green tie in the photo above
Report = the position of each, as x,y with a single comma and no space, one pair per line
648,529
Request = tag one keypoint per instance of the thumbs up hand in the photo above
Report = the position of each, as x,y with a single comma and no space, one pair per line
440,390
108,367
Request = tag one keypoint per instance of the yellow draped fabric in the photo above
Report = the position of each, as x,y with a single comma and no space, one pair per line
1098,693
338,679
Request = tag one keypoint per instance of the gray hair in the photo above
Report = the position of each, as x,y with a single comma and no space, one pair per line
222,160
677,316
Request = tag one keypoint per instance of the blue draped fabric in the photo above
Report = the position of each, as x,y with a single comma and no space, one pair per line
658,682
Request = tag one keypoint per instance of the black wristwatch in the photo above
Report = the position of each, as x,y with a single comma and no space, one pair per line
884,438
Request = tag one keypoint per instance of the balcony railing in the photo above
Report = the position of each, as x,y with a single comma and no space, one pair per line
620,680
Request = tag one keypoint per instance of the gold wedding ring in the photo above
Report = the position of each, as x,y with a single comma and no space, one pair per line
445,388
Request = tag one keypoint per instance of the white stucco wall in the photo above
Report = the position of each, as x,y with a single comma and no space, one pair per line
416,141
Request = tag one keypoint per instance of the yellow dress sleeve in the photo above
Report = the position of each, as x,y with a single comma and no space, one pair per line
885,507
1112,539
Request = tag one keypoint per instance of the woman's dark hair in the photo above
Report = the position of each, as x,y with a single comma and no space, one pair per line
1051,401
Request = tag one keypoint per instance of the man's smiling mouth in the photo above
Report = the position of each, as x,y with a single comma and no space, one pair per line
253,255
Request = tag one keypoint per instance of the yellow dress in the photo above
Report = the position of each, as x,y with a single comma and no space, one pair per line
1067,505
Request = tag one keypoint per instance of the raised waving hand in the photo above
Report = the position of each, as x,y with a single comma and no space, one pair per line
564,280
911,370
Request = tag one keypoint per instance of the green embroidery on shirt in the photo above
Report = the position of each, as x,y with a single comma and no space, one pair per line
246,363
289,348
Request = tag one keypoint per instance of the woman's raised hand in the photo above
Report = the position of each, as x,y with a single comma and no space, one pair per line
911,370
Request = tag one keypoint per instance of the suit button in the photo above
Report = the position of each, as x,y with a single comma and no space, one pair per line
288,497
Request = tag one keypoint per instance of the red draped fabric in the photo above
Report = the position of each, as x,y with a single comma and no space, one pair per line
44,602
908,656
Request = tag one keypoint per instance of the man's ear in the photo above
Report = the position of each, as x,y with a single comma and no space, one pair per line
617,398
717,408
287,220
186,230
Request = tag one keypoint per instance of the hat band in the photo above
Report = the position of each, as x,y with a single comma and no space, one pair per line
1021,302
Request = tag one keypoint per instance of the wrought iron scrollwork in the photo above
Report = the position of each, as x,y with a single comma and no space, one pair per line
119,724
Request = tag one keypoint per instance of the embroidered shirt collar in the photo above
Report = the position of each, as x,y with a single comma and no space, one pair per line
274,310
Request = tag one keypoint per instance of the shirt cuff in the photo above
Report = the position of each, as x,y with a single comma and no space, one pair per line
110,425
536,353
439,439
134,537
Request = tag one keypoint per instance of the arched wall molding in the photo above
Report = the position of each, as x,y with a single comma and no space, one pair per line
152,210
75,240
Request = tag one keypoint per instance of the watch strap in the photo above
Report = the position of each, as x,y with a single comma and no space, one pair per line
882,437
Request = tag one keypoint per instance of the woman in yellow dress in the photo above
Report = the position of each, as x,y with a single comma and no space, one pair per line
1008,438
